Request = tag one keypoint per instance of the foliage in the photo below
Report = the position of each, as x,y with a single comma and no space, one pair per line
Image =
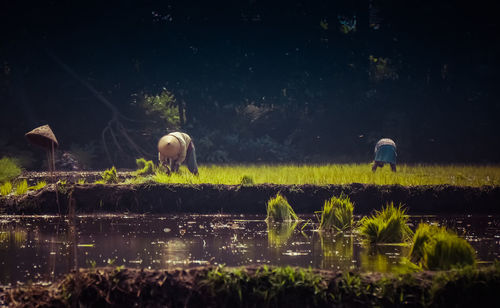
109,176
38,185
436,248
339,174
278,209
337,214
9,169
246,180
144,167
21,187
163,105
386,226
5,188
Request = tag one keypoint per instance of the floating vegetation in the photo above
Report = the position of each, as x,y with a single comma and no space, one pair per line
386,226
38,185
278,233
109,176
21,187
9,169
144,167
278,209
337,214
246,180
436,248
5,188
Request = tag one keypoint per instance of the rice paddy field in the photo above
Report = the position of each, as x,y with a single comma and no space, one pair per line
406,175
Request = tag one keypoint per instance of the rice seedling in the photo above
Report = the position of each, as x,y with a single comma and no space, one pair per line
5,188
80,181
109,176
144,167
246,180
278,209
9,169
38,185
21,188
386,226
337,214
436,248
339,174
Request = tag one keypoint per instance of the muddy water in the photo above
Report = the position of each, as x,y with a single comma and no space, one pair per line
42,248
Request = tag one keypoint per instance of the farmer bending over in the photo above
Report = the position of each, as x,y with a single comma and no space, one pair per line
385,152
176,148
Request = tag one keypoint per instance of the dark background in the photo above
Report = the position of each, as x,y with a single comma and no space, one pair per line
260,81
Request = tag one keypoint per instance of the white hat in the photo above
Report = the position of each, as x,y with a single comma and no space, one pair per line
169,147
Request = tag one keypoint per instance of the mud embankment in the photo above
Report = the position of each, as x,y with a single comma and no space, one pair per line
209,198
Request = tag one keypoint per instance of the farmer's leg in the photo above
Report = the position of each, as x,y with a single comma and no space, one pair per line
191,159
377,164
393,167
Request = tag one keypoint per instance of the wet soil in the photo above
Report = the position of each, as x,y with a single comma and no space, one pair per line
210,198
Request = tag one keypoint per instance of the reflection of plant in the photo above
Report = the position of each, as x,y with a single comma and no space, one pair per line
337,214
278,209
16,236
9,169
337,250
381,69
347,24
279,233
386,226
436,248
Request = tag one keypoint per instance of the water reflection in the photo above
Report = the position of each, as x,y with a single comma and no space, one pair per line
42,248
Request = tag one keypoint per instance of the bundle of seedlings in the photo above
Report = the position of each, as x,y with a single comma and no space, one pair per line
390,225
436,248
144,167
337,214
278,210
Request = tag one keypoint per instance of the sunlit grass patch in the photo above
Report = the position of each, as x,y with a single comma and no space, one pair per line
386,226
5,188
38,185
278,209
144,167
21,187
337,214
436,248
109,176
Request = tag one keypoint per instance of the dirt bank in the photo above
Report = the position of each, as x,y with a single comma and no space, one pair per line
209,198
259,287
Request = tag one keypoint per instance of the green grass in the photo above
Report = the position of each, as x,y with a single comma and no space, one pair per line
38,185
388,225
278,210
21,188
337,214
407,175
144,167
9,169
436,248
5,188
109,176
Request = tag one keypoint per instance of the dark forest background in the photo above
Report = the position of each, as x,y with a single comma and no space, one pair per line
254,80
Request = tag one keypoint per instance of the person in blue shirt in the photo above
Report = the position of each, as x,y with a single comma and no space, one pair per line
385,152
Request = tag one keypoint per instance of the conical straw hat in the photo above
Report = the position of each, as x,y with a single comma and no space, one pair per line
43,137
169,146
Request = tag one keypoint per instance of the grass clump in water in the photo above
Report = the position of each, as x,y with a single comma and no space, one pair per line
22,187
9,169
278,209
109,176
337,214
5,188
144,167
436,248
386,226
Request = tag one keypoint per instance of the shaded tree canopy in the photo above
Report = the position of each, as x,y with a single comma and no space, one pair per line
259,81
